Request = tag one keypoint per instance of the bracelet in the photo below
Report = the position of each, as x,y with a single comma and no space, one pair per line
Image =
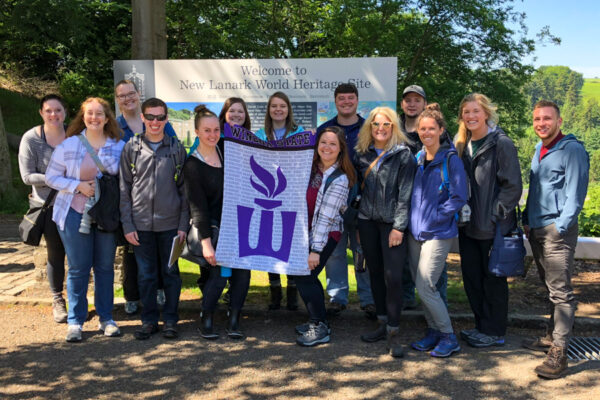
316,252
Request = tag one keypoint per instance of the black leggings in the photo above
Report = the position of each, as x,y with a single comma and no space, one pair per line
55,268
487,293
385,268
310,287
239,282
275,279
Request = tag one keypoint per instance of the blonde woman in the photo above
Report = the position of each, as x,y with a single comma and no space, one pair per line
386,169
490,158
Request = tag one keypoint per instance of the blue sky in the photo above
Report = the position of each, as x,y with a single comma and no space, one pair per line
576,22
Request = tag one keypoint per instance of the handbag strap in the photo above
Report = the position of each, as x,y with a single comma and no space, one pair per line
368,171
49,198
92,153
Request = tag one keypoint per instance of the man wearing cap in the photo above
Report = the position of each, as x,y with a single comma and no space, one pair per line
413,104
346,104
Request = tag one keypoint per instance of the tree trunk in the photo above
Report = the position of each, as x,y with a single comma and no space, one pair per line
148,29
5,170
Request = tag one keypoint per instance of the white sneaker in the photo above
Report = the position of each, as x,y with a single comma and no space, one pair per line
160,298
109,328
74,333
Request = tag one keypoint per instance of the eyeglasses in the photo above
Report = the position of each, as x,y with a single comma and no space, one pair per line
129,95
384,124
152,117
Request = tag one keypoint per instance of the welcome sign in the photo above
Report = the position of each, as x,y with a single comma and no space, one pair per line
264,223
309,83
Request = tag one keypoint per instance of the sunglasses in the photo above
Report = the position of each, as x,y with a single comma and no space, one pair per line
152,117
384,124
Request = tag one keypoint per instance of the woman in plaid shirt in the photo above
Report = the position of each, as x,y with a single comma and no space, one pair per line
73,172
331,178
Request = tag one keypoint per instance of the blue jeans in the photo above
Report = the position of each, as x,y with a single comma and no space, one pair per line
337,274
84,251
152,255
408,285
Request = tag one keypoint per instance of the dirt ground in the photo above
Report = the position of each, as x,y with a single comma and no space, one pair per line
36,363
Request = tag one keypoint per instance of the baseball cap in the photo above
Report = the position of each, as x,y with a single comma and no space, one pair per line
414,89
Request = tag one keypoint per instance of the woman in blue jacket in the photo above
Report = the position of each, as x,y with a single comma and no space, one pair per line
439,192
280,124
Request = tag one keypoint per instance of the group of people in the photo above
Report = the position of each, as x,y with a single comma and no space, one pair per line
389,187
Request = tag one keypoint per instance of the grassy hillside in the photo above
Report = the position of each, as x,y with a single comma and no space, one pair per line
591,88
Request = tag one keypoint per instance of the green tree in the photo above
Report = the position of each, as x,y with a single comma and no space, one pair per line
595,166
556,83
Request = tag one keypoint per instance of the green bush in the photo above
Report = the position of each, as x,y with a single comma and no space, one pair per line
589,219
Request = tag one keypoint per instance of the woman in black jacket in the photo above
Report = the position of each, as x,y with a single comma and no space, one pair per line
491,161
204,190
386,169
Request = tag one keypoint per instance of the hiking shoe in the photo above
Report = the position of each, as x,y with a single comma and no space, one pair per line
394,345
538,344
303,328
170,330
316,334
447,345
430,340
370,311
376,335
465,334
109,328
147,330
555,363
161,299
74,333
335,309
482,340
131,307
59,310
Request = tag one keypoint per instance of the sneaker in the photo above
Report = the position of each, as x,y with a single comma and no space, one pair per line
370,311
170,330
160,298
303,328
376,335
394,345
131,307
59,310
430,340
335,308
482,340
447,345
555,363
74,333
316,334
538,344
465,334
147,330
109,328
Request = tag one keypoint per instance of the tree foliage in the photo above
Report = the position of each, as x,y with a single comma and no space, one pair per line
556,83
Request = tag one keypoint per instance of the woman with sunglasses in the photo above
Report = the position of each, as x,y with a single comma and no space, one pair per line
130,121
386,168
35,151
280,124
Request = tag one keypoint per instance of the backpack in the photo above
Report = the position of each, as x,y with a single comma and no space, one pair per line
174,150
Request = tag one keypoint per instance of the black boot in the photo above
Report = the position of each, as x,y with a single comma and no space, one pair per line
206,326
276,296
292,298
233,326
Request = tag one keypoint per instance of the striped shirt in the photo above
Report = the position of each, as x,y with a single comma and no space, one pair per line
63,172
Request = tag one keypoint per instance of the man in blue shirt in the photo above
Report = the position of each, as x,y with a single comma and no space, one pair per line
127,97
346,104
558,182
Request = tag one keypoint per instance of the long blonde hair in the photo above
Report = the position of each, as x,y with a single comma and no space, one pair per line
464,135
365,139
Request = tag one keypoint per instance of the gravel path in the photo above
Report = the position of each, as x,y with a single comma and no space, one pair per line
35,362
